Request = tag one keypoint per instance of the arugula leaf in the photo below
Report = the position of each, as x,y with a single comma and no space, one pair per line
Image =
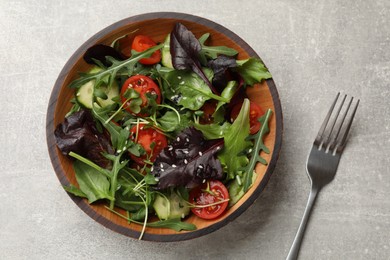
257,148
116,66
92,183
252,70
185,48
235,143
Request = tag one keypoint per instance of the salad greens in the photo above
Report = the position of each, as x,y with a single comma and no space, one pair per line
143,152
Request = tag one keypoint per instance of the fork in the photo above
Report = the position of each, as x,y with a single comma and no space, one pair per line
324,157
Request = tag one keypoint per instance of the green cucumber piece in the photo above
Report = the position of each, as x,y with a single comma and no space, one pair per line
84,94
171,206
166,58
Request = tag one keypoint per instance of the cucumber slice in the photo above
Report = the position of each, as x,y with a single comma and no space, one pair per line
173,206
84,94
166,58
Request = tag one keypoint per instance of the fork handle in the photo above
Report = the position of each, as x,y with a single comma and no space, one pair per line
294,250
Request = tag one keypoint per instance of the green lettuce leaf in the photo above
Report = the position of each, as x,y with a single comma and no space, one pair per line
232,155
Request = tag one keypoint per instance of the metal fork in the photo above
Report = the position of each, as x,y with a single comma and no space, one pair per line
324,157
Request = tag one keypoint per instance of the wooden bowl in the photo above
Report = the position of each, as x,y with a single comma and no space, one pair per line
157,26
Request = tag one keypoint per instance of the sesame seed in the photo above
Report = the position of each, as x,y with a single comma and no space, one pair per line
156,179
181,83
162,169
170,148
185,151
185,161
178,139
204,180
119,151
161,165
200,166
182,215
173,165
178,77
152,168
200,153
187,140
250,150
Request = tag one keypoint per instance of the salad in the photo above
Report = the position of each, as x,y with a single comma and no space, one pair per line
161,131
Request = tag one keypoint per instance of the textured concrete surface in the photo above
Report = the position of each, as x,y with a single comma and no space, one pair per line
313,48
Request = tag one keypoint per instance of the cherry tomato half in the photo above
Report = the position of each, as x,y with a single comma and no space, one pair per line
143,85
210,192
147,137
142,43
255,112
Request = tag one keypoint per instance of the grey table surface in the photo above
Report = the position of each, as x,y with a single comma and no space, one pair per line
313,49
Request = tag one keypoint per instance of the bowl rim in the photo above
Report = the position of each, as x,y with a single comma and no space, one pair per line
83,205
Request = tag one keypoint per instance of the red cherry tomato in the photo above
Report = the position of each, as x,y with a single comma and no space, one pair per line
143,85
255,112
147,137
210,192
142,43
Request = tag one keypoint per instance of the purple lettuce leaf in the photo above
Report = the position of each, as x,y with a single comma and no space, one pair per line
185,49
99,52
78,134
220,67
188,161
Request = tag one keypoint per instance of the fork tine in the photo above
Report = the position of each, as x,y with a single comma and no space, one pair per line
326,142
341,144
318,140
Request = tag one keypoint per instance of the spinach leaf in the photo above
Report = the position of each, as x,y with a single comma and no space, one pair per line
213,131
188,161
169,121
236,189
186,89
235,143
214,51
74,190
173,223
92,183
252,70
185,48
